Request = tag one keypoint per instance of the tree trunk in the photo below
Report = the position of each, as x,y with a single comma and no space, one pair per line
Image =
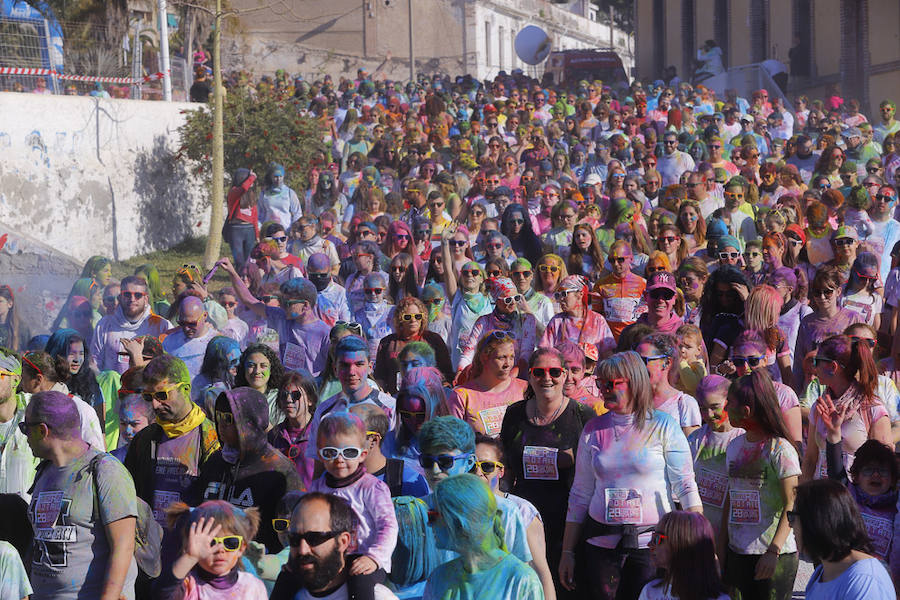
217,196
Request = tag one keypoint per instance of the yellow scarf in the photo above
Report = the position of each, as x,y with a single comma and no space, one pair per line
189,423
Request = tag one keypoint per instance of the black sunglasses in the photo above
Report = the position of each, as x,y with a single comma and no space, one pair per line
312,538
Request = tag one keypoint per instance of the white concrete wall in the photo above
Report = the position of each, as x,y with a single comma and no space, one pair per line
96,176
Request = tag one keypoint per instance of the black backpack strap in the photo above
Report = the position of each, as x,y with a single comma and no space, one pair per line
393,476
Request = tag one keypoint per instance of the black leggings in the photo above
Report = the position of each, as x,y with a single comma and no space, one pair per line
616,574
741,568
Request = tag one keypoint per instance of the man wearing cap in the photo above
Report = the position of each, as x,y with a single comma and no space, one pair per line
416,200
660,297
189,340
844,243
885,228
17,463
576,322
673,161
277,202
619,294
302,336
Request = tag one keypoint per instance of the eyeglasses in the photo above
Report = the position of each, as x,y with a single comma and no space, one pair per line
458,243
347,453
822,293
661,294
350,326
728,255
844,242
495,246
281,525
752,254
873,470
873,170
668,239
541,372
824,186
312,538
402,236
494,273
267,299
753,361
228,304
410,316
618,260
517,221
791,517
231,543
795,242
488,466
433,301
444,462
373,290
734,195
884,197
24,425
855,339
133,295
511,300
280,239
548,268
162,395
522,274
563,294
657,538
610,384
398,269
818,360
470,273
648,359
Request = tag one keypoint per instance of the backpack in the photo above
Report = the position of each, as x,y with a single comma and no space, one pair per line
416,554
148,533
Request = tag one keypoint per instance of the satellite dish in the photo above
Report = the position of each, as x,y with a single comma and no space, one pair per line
533,45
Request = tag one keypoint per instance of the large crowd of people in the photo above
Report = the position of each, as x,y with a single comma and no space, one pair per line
514,341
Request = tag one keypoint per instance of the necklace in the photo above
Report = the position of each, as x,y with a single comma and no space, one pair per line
537,417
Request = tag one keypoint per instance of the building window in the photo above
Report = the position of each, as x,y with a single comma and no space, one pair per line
688,43
487,44
800,54
659,37
721,18
759,26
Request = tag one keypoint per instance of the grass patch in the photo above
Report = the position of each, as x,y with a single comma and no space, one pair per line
169,261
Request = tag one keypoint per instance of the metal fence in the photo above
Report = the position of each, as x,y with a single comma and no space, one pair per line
44,57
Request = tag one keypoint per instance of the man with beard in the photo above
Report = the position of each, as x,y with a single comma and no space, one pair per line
131,319
321,530
803,158
673,161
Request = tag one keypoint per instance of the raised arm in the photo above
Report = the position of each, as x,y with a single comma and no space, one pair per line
240,288
449,271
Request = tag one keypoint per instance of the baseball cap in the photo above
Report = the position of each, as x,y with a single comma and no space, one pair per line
593,179
783,275
851,132
845,232
661,280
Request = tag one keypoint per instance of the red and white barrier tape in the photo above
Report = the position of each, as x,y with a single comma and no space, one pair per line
63,76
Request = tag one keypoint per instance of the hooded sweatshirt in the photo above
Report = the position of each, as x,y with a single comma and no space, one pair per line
255,473
111,329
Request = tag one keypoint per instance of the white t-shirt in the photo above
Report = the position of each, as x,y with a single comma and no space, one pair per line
381,593
683,408
14,582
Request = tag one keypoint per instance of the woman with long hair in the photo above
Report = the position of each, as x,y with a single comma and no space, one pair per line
585,256
421,396
722,304
98,268
297,399
692,225
576,322
550,270
401,278
692,276
10,329
671,242
630,464
683,549
757,545
69,346
261,369
492,385
515,224
831,532
540,437
410,325
847,371
829,165
217,373
661,354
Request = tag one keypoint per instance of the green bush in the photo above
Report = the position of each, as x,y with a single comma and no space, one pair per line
258,130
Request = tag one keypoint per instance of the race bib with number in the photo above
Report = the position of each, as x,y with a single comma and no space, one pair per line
539,462
744,507
711,486
620,310
492,420
880,531
293,357
623,506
